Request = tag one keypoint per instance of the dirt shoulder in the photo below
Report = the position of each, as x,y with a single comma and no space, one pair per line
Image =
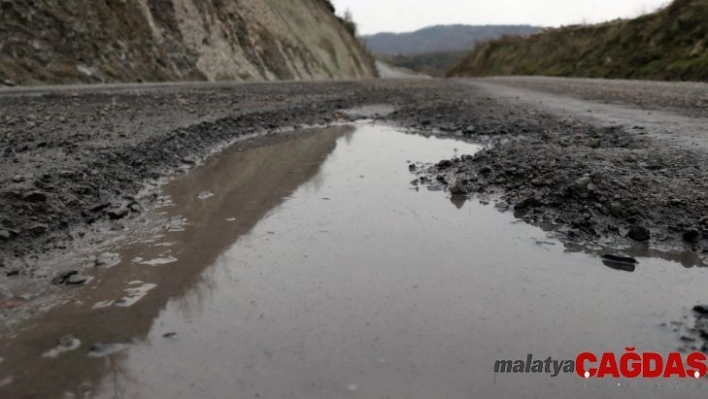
75,162
598,174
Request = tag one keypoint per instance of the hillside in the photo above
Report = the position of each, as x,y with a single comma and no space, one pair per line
670,44
76,41
441,38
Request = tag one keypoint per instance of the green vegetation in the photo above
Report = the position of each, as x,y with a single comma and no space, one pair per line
670,44
433,64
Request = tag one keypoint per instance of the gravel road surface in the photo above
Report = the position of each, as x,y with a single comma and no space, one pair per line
605,162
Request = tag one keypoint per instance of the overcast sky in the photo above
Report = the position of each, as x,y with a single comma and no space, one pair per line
375,16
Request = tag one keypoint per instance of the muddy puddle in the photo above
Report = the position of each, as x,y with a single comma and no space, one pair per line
312,268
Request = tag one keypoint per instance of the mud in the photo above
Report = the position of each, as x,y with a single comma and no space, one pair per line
594,181
316,269
82,171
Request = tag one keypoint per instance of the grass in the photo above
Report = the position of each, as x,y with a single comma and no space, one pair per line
669,44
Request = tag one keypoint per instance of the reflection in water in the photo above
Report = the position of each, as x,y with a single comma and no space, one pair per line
316,272
687,259
458,200
627,267
247,181
622,263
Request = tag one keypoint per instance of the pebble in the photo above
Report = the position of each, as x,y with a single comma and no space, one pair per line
701,309
107,259
38,228
621,259
639,233
76,279
62,277
691,235
35,196
118,213
99,206
457,188
204,195
103,350
529,202
66,343
444,164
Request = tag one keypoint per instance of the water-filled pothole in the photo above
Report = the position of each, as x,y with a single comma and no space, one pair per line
316,270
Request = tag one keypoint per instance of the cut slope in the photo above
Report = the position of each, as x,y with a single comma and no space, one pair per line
74,41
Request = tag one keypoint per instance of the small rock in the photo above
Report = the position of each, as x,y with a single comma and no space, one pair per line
702,326
582,183
529,202
621,259
691,235
11,273
701,309
639,233
457,188
35,196
412,167
103,350
18,179
69,341
204,195
66,343
444,164
107,259
62,277
76,279
99,207
5,235
188,160
118,213
502,207
169,335
117,227
38,228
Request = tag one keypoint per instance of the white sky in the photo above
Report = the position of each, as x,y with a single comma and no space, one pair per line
375,16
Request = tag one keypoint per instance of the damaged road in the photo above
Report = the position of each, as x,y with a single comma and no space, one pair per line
601,174
266,245
77,163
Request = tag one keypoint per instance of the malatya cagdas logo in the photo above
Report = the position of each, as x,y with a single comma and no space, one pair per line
630,364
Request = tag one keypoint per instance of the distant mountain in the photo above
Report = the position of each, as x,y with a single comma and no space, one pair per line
441,38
